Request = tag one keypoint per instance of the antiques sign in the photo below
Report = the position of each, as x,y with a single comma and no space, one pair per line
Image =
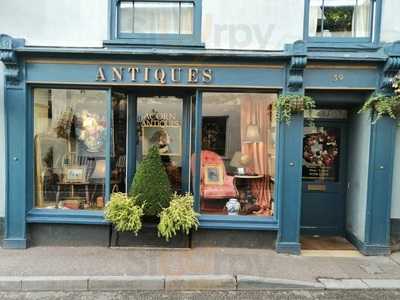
159,75
163,130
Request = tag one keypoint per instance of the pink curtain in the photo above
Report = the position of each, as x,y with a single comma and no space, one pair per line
256,110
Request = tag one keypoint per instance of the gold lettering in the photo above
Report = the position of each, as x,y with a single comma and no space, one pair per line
160,76
207,75
176,74
133,72
193,75
100,74
117,73
146,74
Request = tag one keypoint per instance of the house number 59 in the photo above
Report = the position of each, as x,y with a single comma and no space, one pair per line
338,77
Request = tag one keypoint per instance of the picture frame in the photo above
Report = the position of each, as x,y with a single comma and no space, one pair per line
75,174
214,134
214,175
168,139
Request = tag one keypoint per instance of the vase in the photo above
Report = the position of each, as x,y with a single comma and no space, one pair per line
233,207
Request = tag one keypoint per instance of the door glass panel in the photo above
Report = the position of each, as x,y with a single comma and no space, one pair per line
159,122
321,153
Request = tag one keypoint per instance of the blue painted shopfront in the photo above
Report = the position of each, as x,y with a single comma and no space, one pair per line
297,70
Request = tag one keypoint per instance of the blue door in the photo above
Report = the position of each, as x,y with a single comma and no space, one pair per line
324,178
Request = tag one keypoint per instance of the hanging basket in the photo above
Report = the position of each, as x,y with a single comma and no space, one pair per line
288,105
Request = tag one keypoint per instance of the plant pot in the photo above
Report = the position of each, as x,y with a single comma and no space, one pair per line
297,105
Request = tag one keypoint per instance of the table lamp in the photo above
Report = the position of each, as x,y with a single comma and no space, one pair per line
99,170
252,134
240,161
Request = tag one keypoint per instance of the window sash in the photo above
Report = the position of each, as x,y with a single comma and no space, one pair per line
185,12
358,34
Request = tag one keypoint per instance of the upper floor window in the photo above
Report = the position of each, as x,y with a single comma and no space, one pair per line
157,22
341,20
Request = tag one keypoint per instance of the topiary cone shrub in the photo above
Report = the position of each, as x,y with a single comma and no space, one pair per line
151,186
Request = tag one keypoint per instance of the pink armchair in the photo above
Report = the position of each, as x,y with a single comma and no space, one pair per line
223,189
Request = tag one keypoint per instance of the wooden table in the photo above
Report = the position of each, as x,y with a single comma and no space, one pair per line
72,185
249,179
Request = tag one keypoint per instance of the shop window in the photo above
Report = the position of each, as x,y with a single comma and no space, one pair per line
159,123
237,173
156,22
70,133
341,19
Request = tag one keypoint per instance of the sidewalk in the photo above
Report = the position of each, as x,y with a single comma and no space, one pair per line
98,261
200,273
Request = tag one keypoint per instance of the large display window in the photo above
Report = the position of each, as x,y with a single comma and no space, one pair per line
70,130
237,138
238,154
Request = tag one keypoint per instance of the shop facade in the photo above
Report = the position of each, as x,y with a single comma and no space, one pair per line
79,121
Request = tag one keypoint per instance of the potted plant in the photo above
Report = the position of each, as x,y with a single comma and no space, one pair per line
124,213
151,185
287,105
179,216
150,201
382,105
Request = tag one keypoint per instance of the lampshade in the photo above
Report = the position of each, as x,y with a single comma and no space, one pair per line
240,160
99,170
252,134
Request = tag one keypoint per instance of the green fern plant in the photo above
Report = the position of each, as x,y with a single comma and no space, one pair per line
124,213
178,217
381,105
287,105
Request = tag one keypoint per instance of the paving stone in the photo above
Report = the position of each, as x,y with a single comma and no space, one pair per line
343,283
200,282
54,283
10,283
126,283
372,269
253,282
383,283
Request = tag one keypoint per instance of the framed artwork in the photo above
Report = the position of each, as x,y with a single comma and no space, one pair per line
214,174
214,134
75,174
167,139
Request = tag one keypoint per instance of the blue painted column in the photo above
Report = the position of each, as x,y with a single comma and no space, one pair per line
16,173
289,185
19,152
380,172
197,148
380,167
290,153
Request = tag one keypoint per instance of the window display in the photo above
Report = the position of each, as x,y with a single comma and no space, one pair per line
238,154
69,141
159,123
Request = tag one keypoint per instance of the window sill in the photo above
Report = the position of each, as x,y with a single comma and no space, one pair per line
152,43
341,45
53,216
60,216
238,222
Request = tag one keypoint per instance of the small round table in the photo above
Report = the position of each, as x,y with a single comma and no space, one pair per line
249,179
